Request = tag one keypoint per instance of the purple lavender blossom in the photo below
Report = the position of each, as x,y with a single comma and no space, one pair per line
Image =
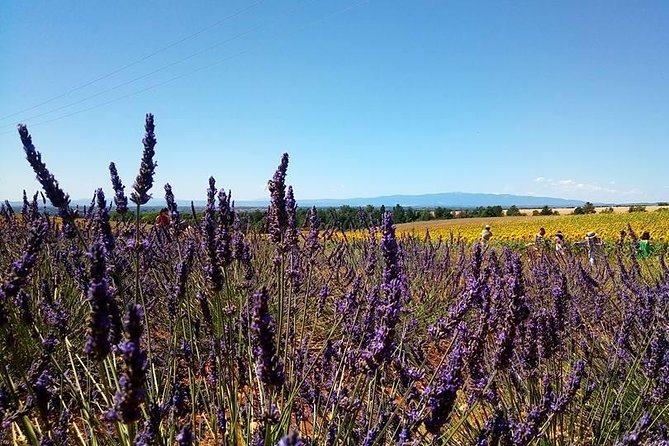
151,429
120,199
185,436
101,218
277,215
42,393
213,266
98,344
291,222
5,211
26,205
291,439
33,209
524,433
58,198
241,251
395,294
442,393
390,250
172,205
226,211
568,394
8,209
640,431
496,430
178,291
269,367
132,382
144,180
226,218
22,305
180,399
21,269
206,313
221,422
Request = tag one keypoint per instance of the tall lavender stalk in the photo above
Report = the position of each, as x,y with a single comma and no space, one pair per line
291,221
98,342
58,198
268,366
277,216
172,205
210,243
394,293
120,198
144,180
101,218
21,269
442,393
132,383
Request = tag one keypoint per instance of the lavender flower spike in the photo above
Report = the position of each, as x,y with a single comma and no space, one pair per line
120,199
58,198
268,368
144,180
98,344
21,269
291,223
277,216
172,205
291,439
132,382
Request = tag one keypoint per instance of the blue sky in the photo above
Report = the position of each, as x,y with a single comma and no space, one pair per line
567,99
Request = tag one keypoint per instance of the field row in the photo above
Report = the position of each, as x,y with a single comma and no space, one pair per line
523,229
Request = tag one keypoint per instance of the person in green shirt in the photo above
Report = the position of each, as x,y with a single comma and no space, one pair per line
643,249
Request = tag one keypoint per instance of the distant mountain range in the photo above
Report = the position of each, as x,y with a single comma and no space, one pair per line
453,200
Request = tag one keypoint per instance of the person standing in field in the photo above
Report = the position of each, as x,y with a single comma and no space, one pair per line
540,239
593,244
559,242
163,219
486,235
643,248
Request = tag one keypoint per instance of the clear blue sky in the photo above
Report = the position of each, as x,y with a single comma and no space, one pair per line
567,99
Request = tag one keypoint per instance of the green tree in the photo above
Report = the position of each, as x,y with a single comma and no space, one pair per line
513,211
589,208
546,211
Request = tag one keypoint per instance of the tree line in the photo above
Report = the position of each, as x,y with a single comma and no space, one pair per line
350,217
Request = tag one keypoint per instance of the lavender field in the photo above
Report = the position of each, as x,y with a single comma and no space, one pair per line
114,332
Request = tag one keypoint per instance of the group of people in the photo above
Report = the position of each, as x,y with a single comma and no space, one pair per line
591,242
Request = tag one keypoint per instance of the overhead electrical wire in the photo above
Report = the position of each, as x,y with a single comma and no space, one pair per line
157,70
188,73
137,61
138,78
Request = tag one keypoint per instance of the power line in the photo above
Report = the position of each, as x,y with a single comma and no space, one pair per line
138,78
134,93
164,67
188,73
137,61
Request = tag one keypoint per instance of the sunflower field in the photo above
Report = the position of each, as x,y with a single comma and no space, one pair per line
513,230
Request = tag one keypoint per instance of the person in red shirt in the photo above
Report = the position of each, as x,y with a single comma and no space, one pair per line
163,219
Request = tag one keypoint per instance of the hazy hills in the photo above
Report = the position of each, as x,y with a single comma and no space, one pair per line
453,200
